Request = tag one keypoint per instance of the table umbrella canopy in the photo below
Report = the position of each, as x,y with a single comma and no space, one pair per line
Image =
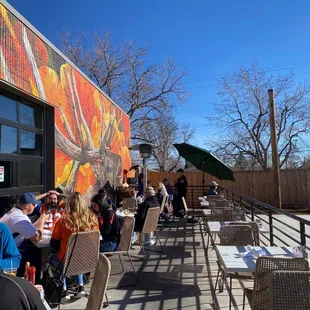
205,161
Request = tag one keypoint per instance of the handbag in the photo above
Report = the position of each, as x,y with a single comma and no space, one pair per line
54,286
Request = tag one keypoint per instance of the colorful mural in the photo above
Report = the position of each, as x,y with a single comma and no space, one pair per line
91,133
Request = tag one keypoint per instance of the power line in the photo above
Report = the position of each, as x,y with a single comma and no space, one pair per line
270,69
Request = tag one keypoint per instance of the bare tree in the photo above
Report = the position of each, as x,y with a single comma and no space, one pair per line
242,116
164,131
123,72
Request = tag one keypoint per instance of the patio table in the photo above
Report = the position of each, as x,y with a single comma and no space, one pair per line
233,262
204,203
215,227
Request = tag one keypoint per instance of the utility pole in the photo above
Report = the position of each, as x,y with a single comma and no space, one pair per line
274,149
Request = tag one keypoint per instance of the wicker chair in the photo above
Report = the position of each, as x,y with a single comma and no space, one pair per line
85,252
125,242
215,197
221,215
238,235
289,290
198,213
258,297
130,204
254,228
150,225
223,204
99,285
238,214
84,247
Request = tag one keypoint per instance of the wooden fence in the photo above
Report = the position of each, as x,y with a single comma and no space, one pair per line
295,184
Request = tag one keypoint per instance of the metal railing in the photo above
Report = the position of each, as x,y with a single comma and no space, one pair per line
284,228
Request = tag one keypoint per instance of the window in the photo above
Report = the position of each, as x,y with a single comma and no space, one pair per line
8,139
21,148
30,115
30,174
6,203
9,177
30,143
8,108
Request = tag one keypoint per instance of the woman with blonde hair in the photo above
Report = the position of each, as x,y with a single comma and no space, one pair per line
77,218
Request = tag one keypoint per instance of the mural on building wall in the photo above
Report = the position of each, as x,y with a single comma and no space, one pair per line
91,133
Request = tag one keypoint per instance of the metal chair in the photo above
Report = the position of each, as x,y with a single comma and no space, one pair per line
214,197
258,297
223,204
82,253
163,204
233,235
99,286
237,235
254,228
124,246
238,214
221,215
150,225
130,204
289,290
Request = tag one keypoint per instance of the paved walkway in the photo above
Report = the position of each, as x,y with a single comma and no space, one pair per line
182,277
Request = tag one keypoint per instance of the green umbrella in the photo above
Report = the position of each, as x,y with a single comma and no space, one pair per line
205,161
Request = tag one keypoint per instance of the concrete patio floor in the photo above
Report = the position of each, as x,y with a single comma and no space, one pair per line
182,277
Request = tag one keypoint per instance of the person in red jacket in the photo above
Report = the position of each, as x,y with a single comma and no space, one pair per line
55,208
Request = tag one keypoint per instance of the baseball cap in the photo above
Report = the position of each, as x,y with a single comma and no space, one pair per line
213,183
28,198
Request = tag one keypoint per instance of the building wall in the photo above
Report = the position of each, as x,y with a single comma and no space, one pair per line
91,133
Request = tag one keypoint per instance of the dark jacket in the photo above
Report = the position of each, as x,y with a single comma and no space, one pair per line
211,192
181,186
17,293
110,226
149,202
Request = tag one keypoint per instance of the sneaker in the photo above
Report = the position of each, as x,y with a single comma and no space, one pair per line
65,296
80,292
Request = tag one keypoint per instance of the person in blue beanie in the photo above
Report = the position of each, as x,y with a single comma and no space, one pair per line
9,254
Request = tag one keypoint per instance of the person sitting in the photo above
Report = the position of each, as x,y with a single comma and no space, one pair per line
169,188
150,201
25,233
161,195
103,192
9,255
56,209
17,293
77,218
109,223
212,189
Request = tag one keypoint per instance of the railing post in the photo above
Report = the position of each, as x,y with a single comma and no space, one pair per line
233,198
193,205
270,227
240,201
302,234
227,193
252,210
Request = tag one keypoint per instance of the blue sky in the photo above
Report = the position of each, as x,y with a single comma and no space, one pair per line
208,38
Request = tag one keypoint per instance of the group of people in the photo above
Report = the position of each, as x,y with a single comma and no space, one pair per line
61,216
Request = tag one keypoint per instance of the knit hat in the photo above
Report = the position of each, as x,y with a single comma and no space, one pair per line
149,191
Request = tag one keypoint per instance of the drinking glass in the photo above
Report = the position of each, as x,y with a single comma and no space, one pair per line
11,271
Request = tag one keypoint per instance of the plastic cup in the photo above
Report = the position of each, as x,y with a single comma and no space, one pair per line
10,271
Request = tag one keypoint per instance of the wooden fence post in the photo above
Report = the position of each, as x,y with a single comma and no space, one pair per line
274,147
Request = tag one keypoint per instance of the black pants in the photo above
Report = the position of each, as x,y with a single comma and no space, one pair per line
178,208
32,254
